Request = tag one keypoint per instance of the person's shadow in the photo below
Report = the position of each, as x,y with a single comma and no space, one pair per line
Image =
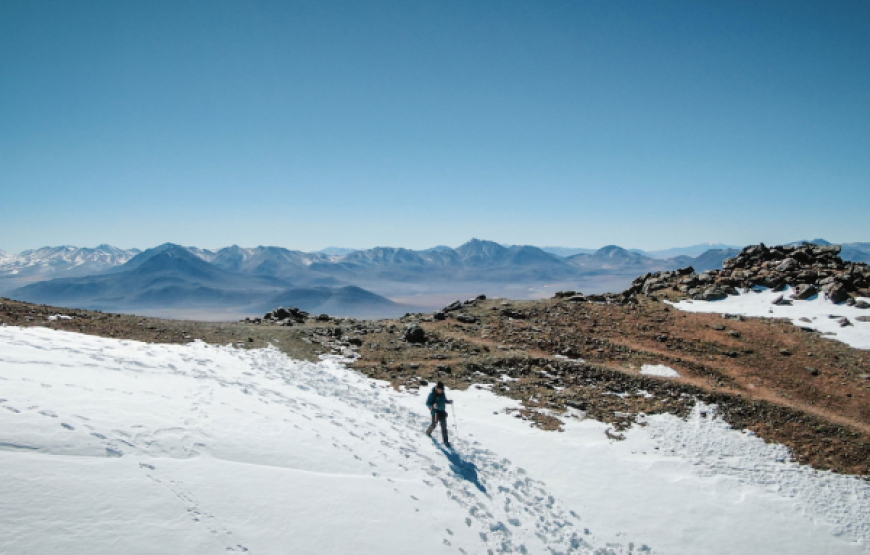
466,470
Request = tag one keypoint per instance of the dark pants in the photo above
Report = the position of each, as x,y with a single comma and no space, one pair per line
439,416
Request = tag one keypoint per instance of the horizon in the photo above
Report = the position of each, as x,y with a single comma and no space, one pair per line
305,124
712,245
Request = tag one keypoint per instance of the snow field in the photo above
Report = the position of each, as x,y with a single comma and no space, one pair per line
115,446
200,449
691,486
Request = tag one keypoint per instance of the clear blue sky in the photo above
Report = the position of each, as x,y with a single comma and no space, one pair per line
308,124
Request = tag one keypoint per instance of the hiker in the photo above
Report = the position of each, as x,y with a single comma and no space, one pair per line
437,403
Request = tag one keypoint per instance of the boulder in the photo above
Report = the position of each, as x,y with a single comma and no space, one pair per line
836,292
711,294
804,292
466,318
415,334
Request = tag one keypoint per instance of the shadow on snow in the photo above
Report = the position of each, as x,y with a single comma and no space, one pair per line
466,470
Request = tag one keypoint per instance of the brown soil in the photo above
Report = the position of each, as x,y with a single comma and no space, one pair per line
292,340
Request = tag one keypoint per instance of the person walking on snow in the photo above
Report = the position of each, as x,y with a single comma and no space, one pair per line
437,403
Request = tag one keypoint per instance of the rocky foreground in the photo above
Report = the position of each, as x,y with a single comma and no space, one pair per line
787,384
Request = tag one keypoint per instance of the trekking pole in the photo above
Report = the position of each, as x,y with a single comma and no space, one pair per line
455,421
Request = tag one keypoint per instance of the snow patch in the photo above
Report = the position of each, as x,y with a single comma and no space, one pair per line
55,317
817,313
659,370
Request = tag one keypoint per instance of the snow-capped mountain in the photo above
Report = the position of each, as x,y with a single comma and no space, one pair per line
63,261
265,261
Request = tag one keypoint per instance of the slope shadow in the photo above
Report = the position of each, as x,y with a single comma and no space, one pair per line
466,470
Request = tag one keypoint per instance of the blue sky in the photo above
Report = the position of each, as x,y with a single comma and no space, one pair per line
309,124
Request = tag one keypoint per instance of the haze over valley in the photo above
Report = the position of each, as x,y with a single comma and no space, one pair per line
233,282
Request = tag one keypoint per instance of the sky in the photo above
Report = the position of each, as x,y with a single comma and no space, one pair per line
359,124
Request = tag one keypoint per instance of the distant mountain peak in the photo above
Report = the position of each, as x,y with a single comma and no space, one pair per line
814,242
336,251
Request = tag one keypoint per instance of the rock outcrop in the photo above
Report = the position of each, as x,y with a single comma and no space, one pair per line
286,316
809,269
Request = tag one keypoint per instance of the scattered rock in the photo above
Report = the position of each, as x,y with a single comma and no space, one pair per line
510,313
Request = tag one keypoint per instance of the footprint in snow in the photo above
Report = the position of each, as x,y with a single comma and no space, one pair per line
67,426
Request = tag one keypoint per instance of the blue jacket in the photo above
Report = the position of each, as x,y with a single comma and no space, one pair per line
437,402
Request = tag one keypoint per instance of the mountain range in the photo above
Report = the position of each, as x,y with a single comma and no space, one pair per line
261,278
64,261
